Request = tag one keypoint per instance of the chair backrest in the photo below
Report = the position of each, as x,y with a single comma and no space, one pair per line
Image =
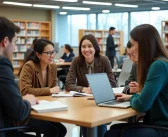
120,60
125,72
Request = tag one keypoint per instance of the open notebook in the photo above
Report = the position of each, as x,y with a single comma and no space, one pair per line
72,94
49,106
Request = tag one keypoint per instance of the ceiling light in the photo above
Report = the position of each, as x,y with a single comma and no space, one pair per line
164,0
75,8
63,13
66,0
126,5
46,6
96,3
17,3
155,8
105,11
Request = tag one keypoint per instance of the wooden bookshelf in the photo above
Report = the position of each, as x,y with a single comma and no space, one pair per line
101,36
165,33
29,31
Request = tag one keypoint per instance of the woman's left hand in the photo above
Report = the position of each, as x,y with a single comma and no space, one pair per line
122,97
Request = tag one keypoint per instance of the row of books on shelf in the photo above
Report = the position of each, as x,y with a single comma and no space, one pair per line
22,33
33,25
21,48
20,24
33,33
15,64
18,56
165,28
103,41
102,34
103,48
20,40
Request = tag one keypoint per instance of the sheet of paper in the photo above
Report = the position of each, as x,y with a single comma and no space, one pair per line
118,90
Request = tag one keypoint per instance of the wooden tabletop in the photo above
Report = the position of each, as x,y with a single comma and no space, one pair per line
83,112
63,64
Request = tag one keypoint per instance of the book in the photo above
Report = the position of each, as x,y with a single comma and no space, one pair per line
49,106
72,94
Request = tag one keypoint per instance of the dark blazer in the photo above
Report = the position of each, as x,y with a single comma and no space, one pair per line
69,58
132,77
76,78
110,46
31,80
12,106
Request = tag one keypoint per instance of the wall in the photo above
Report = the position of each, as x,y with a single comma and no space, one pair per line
20,13
30,14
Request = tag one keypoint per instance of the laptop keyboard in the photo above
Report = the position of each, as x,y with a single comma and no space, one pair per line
113,102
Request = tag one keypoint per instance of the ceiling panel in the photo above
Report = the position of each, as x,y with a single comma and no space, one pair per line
143,5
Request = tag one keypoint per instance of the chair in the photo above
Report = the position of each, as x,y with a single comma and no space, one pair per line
120,60
21,129
125,72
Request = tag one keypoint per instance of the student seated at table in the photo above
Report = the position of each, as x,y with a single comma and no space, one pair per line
151,91
88,61
13,107
67,57
38,76
133,73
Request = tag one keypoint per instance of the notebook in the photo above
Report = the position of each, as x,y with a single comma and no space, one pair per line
49,106
102,91
72,94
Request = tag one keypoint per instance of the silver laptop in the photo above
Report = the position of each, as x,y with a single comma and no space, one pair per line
102,91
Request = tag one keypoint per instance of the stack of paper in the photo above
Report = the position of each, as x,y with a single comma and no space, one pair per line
72,94
49,106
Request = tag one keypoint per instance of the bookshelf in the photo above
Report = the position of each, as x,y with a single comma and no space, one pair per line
165,33
29,31
101,36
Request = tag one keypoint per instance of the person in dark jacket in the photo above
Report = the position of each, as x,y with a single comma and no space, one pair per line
13,107
110,46
67,57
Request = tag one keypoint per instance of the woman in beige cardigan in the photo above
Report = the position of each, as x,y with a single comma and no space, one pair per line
38,77
88,61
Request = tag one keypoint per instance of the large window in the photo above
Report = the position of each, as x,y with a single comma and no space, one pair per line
150,17
91,21
117,20
138,18
77,22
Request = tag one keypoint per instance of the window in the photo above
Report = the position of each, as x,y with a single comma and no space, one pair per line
77,22
91,21
117,20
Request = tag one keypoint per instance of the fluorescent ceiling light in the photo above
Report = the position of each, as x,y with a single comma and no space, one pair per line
96,3
67,0
75,8
17,3
105,11
155,8
46,6
126,5
164,0
63,13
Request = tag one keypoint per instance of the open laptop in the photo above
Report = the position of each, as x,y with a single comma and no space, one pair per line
102,91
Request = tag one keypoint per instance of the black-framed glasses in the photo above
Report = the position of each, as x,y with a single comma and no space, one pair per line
50,53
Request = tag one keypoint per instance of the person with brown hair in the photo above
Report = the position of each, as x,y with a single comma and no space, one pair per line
88,61
151,90
38,76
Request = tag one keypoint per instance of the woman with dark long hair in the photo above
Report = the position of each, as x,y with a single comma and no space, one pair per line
151,91
88,61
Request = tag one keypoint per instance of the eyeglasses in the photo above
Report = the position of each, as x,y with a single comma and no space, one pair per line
50,53
131,55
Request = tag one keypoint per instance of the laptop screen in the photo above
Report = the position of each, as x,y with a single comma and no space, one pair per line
101,87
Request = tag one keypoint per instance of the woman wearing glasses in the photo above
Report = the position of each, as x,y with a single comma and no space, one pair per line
38,77
38,74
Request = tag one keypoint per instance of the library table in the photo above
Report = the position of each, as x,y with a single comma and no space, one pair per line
83,112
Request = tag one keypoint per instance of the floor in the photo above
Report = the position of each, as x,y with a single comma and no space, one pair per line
73,130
